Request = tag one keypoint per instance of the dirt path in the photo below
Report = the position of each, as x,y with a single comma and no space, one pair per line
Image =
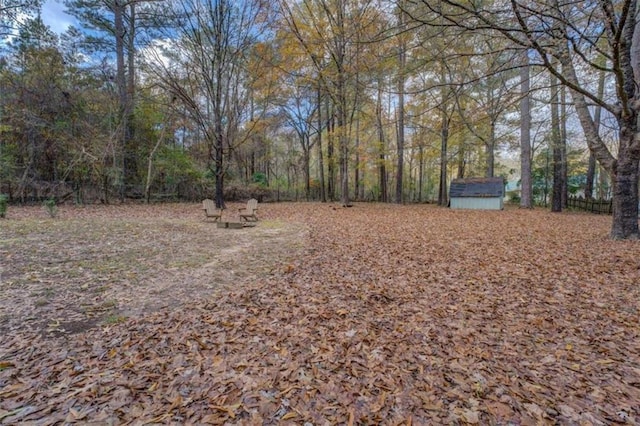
102,264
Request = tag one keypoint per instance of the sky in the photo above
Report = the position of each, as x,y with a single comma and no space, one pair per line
53,15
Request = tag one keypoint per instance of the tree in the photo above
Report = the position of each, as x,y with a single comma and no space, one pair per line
565,39
526,192
300,100
330,33
382,168
402,63
299,113
13,12
203,63
36,107
442,87
112,26
556,146
323,192
591,170
489,94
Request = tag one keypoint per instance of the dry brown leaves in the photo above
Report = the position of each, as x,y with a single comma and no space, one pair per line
394,315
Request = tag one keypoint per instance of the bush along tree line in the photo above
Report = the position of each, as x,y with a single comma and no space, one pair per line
320,100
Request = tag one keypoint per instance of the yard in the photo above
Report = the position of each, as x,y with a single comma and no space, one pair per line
377,314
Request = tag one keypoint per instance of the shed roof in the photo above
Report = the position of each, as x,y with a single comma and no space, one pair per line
477,187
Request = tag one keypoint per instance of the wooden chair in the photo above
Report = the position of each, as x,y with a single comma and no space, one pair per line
210,210
249,213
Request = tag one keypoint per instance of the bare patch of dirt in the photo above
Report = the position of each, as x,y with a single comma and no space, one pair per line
103,264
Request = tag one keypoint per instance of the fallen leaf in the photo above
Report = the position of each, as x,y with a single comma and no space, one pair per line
471,416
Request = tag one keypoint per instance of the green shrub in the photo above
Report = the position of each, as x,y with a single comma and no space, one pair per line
51,207
4,202
260,179
513,197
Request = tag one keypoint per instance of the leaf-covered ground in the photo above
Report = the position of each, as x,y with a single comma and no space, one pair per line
387,315
102,264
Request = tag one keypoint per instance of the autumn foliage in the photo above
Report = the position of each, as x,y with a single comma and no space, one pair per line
386,315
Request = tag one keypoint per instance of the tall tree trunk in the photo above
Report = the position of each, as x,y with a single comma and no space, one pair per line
331,181
382,170
252,162
420,171
444,139
400,150
160,141
462,162
358,187
363,179
343,140
307,168
547,173
360,169
490,151
251,167
121,83
564,190
344,161
556,197
591,170
356,181
625,197
591,173
130,156
623,170
401,82
323,192
219,170
339,57
219,141
526,193
443,198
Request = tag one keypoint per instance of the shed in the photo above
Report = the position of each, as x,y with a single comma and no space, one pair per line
477,193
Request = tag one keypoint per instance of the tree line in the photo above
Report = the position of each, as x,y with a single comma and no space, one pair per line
321,100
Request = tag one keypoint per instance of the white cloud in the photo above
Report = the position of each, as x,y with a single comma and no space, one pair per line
53,15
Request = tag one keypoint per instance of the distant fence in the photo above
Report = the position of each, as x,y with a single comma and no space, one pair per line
591,205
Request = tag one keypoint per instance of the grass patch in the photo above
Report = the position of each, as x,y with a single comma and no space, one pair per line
41,302
115,319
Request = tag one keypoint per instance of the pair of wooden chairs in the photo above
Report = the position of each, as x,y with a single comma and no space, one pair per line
247,213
